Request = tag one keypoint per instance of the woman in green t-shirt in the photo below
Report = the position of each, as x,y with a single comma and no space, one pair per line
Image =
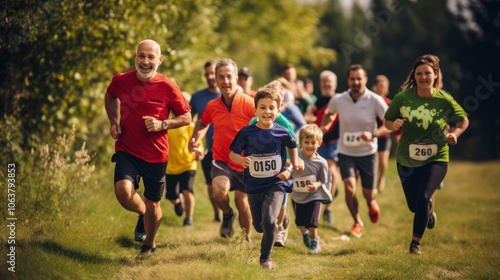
423,112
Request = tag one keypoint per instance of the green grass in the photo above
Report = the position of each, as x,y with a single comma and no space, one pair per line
94,239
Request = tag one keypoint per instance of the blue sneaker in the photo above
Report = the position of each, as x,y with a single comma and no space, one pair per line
327,216
314,246
187,223
306,237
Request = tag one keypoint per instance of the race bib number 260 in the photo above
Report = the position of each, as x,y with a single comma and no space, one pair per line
422,152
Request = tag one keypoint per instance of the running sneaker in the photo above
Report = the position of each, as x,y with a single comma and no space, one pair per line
187,223
179,210
314,245
226,228
415,248
139,232
217,218
266,263
306,238
280,237
374,212
357,230
147,250
432,215
327,216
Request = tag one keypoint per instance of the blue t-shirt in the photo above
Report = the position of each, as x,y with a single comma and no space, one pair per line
198,103
268,148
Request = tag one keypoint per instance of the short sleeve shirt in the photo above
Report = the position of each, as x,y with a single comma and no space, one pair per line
180,158
198,103
268,150
156,98
227,122
356,117
423,130
316,170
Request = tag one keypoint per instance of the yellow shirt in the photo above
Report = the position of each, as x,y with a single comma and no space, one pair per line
180,159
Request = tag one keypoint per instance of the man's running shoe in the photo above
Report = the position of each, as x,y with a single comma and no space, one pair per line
374,212
415,248
266,263
327,216
187,223
217,218
179,210
432,216
306,238
314,245
357,230
226,228
147,250
139,232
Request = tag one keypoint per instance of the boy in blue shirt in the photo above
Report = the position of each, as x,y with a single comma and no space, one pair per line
261,149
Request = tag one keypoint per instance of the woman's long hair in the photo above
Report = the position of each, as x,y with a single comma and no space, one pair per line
428,59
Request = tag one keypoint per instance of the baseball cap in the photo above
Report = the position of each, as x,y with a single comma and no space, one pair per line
245,72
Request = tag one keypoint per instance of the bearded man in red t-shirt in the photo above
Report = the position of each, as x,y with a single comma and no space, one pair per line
144,99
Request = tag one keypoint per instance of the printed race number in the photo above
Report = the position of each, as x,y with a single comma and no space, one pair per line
422,152
352,139
265,167
300,184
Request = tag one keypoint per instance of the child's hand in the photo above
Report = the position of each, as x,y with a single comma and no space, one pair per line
199,153
246,161
312,187
299,166
285,175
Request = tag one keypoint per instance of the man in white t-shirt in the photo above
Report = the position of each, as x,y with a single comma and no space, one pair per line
357,109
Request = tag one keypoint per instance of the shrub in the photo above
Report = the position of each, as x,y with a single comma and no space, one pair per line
55,173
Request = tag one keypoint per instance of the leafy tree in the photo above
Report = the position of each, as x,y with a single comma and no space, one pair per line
58,56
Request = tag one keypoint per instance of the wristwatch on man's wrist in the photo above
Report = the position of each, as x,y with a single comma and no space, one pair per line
164,125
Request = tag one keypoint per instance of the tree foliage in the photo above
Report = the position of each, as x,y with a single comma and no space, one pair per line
58,56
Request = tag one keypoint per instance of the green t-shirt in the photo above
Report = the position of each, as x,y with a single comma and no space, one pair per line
423,138
281,120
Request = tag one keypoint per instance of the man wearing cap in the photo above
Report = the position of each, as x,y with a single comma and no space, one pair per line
245,80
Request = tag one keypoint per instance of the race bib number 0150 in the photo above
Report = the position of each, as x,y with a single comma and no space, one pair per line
265,167
300,184
422,152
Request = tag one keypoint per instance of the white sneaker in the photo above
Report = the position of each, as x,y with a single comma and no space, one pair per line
280,237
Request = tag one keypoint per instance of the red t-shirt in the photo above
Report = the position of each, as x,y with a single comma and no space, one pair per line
155,98
227,123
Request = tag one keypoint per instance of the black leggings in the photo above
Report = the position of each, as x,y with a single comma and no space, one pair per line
419,184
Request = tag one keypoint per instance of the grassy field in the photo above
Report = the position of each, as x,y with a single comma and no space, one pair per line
96,241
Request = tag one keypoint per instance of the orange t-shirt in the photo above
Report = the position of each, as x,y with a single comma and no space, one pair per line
227,122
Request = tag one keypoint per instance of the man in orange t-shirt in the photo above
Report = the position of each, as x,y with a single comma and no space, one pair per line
228,114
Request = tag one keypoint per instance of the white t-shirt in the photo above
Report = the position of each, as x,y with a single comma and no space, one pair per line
356,117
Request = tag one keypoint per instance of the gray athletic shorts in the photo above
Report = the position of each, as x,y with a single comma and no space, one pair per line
220,168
